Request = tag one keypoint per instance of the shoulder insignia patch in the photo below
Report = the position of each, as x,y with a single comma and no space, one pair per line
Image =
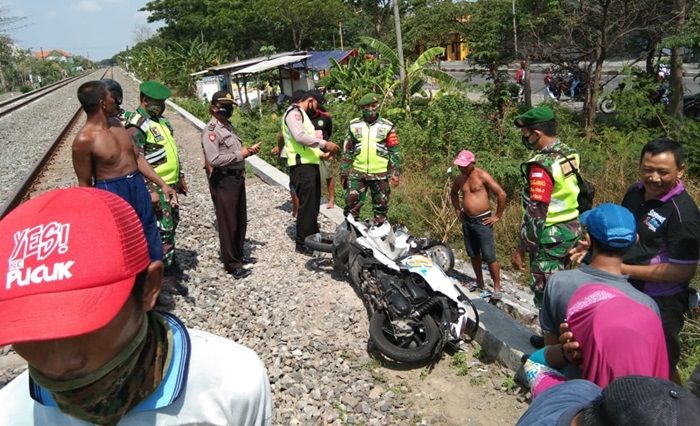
212,136
297,116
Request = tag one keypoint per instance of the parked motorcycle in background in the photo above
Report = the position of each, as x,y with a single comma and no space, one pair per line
415,308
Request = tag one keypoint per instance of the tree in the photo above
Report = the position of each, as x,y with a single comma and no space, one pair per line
302,19
489,32
586,31
428,22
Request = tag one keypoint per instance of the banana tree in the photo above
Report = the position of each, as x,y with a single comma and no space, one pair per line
418,73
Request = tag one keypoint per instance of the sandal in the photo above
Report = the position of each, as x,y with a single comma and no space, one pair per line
497,296
486,294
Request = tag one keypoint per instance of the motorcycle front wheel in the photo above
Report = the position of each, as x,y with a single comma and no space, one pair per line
405,340
442,256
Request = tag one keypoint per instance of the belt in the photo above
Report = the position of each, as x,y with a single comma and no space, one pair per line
229,172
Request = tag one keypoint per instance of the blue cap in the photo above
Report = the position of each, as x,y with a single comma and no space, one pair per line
611,225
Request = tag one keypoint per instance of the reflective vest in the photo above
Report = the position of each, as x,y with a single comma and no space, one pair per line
296,152
563,206
160,150
371,154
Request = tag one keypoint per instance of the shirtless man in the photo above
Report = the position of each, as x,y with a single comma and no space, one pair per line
477,221
104,156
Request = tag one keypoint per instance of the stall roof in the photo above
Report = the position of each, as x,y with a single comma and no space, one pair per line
272,63
321,59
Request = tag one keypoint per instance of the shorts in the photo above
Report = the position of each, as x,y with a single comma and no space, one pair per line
324,167
132,188
478,238
673,309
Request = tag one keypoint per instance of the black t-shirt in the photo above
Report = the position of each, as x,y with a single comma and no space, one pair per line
323,122
669,232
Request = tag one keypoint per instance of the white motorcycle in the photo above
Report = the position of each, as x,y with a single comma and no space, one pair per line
415,307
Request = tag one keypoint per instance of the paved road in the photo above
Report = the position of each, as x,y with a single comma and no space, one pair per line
691,86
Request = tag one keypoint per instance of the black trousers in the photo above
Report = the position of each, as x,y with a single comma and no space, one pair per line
228,194
306,181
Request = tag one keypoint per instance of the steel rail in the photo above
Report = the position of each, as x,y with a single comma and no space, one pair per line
22,100
21,190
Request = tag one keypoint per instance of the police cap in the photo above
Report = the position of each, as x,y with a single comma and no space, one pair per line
155,90
222,96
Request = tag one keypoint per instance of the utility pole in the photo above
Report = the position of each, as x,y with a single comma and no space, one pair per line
340,30
515,32
399,45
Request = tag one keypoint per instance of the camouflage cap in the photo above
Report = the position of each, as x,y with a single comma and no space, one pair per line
534,116
367,99
155,90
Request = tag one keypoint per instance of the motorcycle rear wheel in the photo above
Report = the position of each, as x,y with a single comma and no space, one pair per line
607,106
413,349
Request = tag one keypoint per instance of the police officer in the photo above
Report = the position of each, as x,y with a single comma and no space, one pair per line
370,160
226,155
303,150
550,226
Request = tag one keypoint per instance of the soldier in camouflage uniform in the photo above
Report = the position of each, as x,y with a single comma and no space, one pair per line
370,160
153,135
550,226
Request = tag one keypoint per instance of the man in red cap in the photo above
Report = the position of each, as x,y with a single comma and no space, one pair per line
96,350
477,221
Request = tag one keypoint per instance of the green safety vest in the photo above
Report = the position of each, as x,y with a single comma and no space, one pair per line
563,206
305,154
371,154
160,150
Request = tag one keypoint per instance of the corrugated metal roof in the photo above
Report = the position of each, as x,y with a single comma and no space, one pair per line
272,63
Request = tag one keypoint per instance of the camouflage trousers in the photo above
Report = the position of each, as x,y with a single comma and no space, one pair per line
356,193
167,217
552,255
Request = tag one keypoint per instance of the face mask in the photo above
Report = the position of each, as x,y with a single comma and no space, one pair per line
369,115
155,110
527,144
311,112
106,395
225,111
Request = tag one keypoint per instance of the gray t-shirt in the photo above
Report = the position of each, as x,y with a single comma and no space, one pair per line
562,285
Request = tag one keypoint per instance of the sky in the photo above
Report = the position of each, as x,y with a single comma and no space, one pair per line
97,29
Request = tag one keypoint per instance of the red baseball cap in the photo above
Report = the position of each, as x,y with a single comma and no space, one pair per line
69,259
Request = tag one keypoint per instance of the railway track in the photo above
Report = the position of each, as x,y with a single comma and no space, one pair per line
16,102
19,193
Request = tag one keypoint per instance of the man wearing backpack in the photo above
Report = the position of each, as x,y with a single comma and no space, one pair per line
550,226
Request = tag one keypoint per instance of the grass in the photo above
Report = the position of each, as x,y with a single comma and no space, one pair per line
690,345
459,361
509,384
